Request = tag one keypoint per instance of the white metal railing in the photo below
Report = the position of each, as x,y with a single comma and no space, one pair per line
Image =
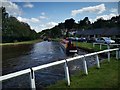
65,61
108,45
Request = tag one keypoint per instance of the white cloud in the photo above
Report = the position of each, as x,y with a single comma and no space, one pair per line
28,20
113,10
43,17
28,5
11,8
97,9
43,13
105,17
47,26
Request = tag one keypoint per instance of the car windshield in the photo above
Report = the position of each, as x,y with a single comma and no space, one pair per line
107,38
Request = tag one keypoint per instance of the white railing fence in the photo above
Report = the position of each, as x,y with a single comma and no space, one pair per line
32,70
108,45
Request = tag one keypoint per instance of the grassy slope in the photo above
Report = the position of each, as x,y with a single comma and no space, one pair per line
105,77
24,42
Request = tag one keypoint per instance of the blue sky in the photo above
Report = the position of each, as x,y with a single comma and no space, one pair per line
43,15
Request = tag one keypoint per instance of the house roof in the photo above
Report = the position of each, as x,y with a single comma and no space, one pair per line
111,31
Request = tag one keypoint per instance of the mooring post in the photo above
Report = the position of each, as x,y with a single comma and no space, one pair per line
67,73
85,66
32,78
97,60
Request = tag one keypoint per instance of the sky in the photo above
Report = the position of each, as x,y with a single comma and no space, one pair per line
45,15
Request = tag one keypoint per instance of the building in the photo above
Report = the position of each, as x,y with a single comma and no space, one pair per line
107,32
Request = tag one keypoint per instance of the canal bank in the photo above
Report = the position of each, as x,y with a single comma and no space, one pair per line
24,42
105,77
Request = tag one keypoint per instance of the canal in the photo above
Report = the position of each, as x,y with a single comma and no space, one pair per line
20,57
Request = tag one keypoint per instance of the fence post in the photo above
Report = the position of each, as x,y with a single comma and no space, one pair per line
67,73
85,66
93,44
117,54
98,62
109,56
108,46
100,46
32,78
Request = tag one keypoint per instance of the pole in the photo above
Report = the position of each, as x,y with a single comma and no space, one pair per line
32,78
67,73
97,60
85,66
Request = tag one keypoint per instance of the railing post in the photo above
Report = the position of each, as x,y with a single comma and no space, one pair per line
97,60
93,44
67,73
85,66
32,78
117,54
100,46
109,56
108,46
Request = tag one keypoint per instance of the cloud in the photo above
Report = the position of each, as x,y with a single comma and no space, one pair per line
97,9
105,17
42,17
11,8
47,26
28,5
43,13
28,20
113,10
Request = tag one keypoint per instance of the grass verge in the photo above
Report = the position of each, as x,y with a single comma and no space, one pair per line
24,42
89,46
105,77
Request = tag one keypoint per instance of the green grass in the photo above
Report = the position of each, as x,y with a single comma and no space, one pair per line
105,77
89,46
24,42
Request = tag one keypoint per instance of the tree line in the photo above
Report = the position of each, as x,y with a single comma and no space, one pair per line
15,31
62,29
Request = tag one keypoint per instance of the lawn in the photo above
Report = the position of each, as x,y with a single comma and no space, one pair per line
105,77
89,46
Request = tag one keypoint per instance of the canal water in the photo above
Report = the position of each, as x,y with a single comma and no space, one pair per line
20,57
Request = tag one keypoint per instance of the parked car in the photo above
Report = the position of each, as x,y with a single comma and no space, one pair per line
104,40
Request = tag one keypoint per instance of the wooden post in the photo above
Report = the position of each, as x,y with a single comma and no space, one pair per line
85,66
97,60
32,78
67,73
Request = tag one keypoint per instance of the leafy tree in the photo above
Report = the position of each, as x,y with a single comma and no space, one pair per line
14,30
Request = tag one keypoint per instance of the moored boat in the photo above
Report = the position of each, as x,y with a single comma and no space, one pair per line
69,46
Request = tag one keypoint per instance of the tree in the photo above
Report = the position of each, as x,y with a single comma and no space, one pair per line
14,30
69,23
